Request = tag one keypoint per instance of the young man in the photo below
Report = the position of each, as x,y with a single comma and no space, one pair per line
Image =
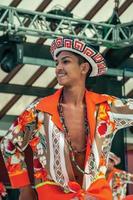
70,132
118,179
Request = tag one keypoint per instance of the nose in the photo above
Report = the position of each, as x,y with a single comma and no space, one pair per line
59,66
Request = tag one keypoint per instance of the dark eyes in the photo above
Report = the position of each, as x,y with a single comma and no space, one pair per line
56,63
63,62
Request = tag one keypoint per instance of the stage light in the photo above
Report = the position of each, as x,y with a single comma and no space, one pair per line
11,52
9,58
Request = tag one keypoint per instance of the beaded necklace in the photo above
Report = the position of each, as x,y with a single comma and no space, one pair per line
67,136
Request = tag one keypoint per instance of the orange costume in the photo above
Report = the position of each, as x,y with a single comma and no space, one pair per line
40,127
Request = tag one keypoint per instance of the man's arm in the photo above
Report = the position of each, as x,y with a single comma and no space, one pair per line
27,193
122,111
124,176
13,145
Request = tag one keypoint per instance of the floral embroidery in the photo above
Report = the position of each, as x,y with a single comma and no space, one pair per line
118,182
103,112
33,143
103,119
102,129
2,190
25,118
10,147
40,173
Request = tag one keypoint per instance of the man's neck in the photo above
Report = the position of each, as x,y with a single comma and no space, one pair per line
74,96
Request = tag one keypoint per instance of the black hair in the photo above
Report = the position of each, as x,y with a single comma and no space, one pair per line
81,60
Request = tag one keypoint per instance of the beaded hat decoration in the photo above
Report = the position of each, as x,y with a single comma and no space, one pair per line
115,158
77,46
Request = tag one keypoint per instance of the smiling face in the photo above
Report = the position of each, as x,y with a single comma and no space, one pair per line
68,69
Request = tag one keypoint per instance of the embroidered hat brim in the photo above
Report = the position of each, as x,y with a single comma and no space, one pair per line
95,59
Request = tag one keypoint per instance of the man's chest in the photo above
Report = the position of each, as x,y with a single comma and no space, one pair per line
74,120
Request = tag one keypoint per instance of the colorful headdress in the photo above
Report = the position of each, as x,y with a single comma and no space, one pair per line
115,158
95,59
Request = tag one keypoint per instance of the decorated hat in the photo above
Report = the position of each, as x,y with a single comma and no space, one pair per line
115,158
77,46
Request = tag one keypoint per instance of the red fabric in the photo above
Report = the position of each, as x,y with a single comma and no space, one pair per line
99,189
52,192
129,197
19,180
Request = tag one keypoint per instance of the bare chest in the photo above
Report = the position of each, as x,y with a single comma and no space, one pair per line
75,123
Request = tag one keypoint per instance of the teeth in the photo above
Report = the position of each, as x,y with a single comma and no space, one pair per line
60,75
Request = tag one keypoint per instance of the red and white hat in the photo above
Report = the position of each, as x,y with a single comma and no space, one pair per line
77,46
115,158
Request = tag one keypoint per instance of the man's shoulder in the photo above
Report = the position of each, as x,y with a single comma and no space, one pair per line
49,103
99,98
50,98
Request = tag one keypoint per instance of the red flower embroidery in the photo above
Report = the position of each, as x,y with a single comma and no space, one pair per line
44,174
2,190
41,174
15,168
37,164
102,128
10,147
33,143
25,118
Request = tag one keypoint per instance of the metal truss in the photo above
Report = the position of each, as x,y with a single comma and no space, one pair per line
23,22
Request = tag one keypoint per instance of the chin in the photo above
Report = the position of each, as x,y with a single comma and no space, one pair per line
62,83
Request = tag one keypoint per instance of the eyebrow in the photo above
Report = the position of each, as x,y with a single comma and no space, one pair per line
65,57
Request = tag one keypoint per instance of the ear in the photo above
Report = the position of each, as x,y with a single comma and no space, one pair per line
85,67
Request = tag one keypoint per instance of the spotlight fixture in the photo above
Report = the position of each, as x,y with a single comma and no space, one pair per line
11,52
